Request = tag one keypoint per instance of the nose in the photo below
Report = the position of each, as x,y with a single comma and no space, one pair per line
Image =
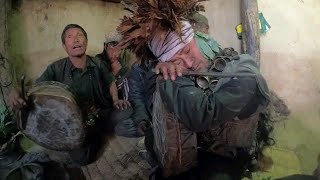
76,39
189,61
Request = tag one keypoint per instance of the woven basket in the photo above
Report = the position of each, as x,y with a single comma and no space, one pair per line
174,145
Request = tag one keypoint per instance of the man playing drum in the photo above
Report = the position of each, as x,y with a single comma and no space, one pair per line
93,84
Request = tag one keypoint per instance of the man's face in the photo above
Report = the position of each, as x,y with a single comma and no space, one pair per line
113,52
201,27
204,29
190,57
75,42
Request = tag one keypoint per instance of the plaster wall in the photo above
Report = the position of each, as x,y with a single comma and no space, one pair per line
291,66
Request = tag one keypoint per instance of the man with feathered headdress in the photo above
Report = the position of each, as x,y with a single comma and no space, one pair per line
163,29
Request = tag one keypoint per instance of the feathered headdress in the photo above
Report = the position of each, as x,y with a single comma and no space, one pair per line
151,15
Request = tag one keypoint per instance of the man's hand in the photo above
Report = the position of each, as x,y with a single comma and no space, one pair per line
169,69
116,67
15,100
142,127
121,104
113,53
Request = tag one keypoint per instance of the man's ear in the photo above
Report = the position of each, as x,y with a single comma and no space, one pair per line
106,46
64,47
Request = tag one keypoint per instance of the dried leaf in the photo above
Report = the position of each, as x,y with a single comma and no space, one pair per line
150,15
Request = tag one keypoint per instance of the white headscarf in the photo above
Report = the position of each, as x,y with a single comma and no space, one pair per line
165,46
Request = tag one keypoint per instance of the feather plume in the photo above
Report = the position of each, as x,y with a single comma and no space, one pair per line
149,15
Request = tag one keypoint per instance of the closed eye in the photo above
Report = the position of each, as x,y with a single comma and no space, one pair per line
187,50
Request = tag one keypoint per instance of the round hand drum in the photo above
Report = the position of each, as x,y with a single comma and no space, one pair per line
52,118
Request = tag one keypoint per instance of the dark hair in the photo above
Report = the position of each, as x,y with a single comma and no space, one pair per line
69,26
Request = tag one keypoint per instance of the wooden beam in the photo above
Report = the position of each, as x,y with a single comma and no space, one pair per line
6,77
3,26
251,30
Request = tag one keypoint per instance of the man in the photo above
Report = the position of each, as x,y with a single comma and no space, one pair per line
232,98
162,28
118,62
85,76
199,23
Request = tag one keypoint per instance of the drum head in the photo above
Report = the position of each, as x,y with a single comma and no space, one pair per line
52,118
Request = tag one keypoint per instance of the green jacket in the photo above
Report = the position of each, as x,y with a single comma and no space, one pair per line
88,84
232,97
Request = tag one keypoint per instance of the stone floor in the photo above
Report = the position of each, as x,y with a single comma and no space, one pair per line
119,161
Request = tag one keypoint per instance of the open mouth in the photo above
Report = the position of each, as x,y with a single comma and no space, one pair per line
77,47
